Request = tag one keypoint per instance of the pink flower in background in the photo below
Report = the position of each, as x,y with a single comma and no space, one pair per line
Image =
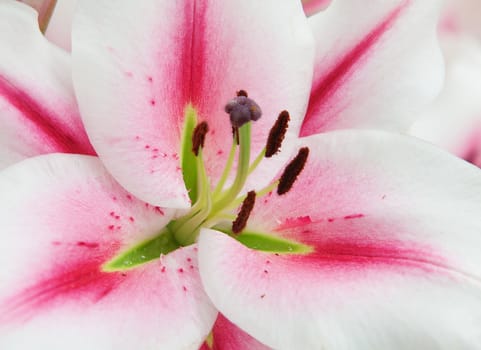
453,121
461,17
364,251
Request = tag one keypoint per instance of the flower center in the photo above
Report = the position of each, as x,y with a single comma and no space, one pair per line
214,207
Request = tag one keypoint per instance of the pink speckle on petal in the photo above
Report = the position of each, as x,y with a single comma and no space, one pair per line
87,244
162,269
111,227
295,222
131,219
353,216
180,270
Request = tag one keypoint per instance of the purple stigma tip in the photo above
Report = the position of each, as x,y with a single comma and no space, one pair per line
242,109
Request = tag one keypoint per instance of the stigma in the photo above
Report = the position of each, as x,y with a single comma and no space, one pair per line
242,109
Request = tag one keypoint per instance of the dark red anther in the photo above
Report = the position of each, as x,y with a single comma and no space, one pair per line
292,171
247,205
198,137
277,134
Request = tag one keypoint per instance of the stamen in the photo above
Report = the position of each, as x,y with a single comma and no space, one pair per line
247,205
292,171
198,137
277,134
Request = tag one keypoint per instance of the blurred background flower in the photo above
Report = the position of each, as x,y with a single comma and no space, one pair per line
453,121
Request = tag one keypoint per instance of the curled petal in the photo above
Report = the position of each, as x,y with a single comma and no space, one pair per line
59,30
377,64
38,110
149,60
394,257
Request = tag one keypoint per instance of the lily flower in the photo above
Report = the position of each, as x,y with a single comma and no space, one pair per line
340,244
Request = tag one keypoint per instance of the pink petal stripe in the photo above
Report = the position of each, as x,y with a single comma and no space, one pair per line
201,56
325,86
44,122
81,280
64,223
354,250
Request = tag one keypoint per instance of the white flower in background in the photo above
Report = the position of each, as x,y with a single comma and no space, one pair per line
453,121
